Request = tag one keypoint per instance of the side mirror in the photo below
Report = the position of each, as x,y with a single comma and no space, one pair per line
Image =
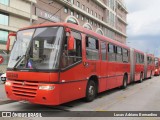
9,40
71,43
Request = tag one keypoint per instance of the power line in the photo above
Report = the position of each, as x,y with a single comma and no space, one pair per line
52,14
47,11
49,3
43,10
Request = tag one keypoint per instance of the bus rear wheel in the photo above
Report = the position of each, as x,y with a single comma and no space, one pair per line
141,78
150,75
125,79
91,91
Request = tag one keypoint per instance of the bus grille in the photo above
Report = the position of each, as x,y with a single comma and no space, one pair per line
25,88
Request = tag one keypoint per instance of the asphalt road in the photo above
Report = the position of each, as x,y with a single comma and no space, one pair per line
143,96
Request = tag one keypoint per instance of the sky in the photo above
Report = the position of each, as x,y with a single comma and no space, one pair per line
143,30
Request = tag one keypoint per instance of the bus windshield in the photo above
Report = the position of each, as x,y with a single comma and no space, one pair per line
37,49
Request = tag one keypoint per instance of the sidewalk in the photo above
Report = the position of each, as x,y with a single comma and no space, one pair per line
3,96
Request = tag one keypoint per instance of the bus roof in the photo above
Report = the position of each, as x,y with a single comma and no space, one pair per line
138,51
81,29
150,55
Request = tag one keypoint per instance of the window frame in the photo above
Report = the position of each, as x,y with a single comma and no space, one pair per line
72,12
87,9
96,49
95,14
1,41
82,17
78,4
124,51
111,54
118,50
113,48
77,15
77,62
72,1
83,7
103,42
65,10
8,2
91,12
6,15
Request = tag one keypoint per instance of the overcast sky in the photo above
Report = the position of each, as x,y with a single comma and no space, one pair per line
143,29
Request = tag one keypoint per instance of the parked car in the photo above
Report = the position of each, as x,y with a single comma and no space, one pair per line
3,77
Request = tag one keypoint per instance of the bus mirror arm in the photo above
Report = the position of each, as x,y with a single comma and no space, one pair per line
8,41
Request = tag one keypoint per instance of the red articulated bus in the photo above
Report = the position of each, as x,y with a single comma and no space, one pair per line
56,63
149,65
137,65
157,66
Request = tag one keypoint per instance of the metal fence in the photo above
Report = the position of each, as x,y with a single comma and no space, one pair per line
3,65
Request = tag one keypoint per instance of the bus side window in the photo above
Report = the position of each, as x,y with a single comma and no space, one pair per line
119,54
111,52
137,59
104,51
92,47
148,60
71,57
142,59
125,55
139,55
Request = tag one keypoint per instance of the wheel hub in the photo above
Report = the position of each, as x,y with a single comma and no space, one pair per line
91,90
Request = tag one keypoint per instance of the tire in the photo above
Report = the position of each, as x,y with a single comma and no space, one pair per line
125,79
150,75
141,78
91,91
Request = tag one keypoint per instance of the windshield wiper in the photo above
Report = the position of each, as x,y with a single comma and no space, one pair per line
19,59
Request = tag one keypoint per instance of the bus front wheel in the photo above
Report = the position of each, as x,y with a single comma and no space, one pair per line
91,91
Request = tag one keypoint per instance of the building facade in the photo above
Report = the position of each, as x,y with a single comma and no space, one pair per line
14,14
106,17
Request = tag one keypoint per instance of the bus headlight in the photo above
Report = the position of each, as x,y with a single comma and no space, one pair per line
8,83
46,87
156,70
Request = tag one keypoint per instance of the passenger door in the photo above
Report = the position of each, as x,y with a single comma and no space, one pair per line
72,79
92,57
111,67
71,60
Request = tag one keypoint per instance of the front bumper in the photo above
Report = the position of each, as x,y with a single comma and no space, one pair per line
30,92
